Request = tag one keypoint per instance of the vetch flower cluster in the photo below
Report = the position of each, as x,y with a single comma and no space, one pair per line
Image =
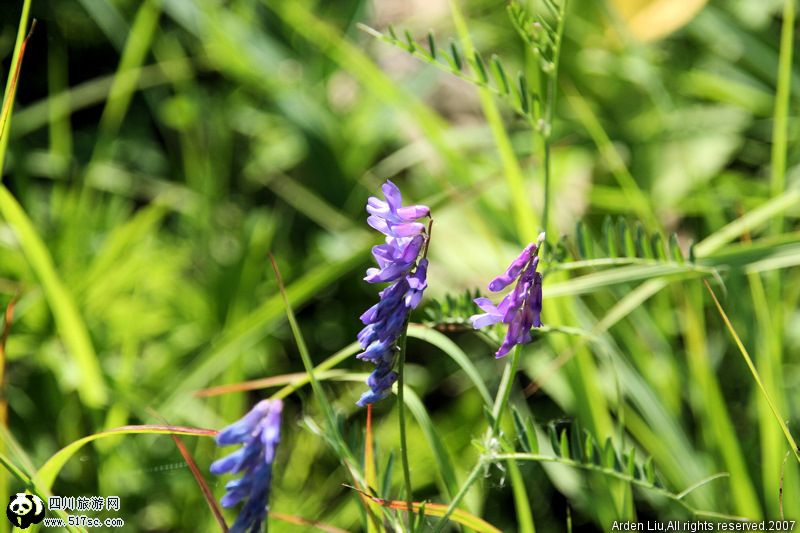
397,264
521,309
259,431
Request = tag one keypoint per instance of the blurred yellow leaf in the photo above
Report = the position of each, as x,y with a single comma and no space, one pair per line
650,20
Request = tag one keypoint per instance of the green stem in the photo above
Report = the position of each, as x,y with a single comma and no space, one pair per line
546,171
339,444
549,113
610,472
301,347
515,178
749,361
781,113
524,513
473,476
339,357
504,391
401,344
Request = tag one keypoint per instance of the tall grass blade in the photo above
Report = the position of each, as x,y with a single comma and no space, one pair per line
71,326
49,470
754,372
13,79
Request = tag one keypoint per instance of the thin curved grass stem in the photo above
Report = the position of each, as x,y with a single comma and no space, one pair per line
749,361
677,498
473,476
503,393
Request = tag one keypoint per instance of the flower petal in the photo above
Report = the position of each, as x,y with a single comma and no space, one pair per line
512,272
413,212
483,320
393,196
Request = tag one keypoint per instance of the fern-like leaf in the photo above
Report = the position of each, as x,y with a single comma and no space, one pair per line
451,314
618,239
574,447
472,70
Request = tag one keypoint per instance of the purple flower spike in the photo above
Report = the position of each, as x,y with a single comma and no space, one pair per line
385,321
521,309
259,431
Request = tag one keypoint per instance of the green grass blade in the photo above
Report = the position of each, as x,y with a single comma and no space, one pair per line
70,324
520,205
140,38
342,355
780,123
48,472
640,202
431,509
31,487
709,406
620,475
11,82
595,281
747,222
441,341
444,462
255,326
522,503
781,421
345,455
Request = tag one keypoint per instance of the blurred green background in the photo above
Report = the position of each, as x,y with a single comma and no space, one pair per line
162,147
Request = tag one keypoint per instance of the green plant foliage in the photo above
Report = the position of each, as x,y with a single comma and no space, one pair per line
472,70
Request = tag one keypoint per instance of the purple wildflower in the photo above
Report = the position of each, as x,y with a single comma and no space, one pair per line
259,431
385,321
521,309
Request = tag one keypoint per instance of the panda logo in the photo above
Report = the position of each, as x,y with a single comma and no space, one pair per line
25,509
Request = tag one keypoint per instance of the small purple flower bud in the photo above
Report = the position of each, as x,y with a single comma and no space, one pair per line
375,352
235,491
367,336
369,315
373,396
241,431
234,462
381,381
417,283
392,272
512,272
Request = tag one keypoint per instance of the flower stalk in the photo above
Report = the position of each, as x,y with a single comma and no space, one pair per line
401,415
